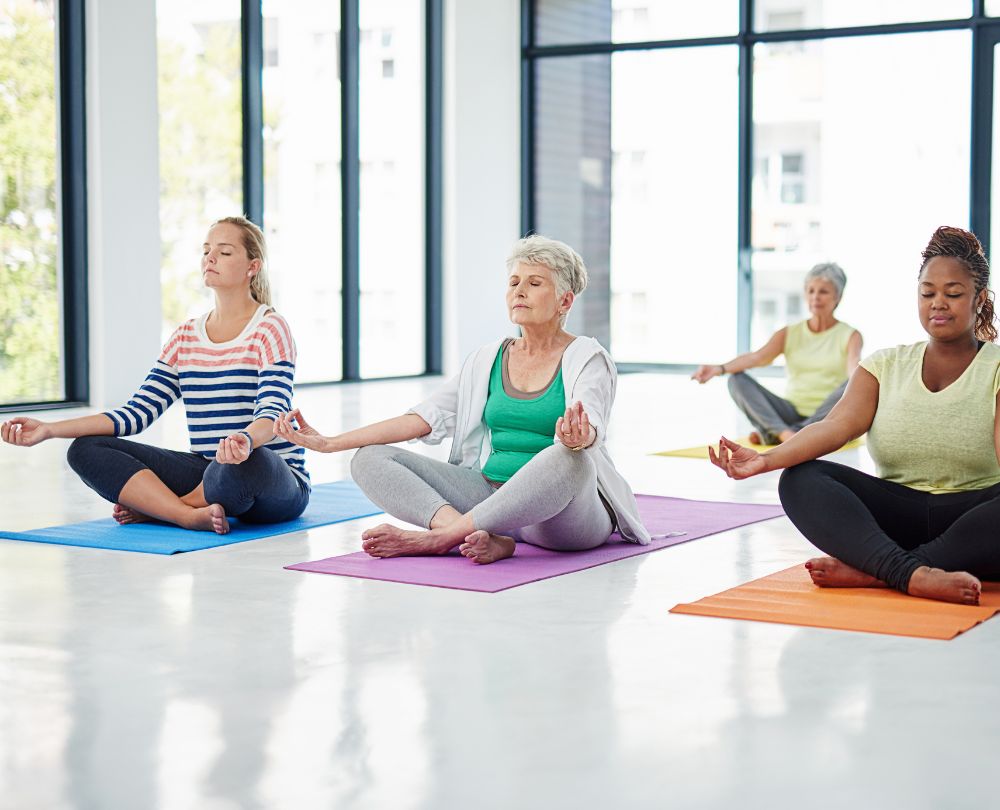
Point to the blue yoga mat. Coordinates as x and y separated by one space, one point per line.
329 503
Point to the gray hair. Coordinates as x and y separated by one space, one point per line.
829 271
564 262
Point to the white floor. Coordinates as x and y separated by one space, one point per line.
216 679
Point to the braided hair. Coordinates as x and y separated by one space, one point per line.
964 247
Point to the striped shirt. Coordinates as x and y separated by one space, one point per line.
225 386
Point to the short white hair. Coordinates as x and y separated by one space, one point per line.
830 271
564 262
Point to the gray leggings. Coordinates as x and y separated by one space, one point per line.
771 414
551 501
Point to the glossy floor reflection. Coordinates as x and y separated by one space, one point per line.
218 680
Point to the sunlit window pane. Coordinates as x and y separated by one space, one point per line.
849 166
30 319
302 218
782 15
201 132
673 209
392 209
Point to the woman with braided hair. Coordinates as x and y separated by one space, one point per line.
820 354
927 524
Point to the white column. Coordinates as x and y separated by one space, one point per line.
123 196
482 168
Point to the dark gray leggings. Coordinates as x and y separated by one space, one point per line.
771 414
262 489
551 501
888 530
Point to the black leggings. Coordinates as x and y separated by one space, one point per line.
263 489
889 530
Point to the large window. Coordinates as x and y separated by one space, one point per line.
308 116
849 167
391 188
201 156
703 157
31 333
302 211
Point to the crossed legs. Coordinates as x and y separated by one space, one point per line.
551 502
879 533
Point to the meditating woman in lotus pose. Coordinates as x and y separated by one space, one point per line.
540 402
927 524
820 352
234 369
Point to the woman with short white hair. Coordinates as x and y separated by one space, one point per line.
820 354
540 404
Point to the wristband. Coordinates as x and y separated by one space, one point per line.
249 438
723 367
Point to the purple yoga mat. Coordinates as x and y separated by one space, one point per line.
530 563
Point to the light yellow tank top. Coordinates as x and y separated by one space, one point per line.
816 363
934 441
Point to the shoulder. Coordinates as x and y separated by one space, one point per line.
901 356
273 324
991 351
588 353
185 334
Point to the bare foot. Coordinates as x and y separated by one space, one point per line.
829 572
386 540
756 437
484 548
785 435
211 518
947 586
123 515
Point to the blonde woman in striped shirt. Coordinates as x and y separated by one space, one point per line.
234 369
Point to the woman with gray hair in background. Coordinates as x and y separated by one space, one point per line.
539 403
820 354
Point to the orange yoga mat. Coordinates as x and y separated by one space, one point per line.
789 597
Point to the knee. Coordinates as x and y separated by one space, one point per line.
795 481
735 382
367 459
561 462
82 450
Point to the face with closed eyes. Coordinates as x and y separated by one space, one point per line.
532 296
821 296
225 264
948 300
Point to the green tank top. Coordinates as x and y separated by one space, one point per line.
521 424
816 363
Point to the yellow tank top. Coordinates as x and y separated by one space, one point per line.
816 363
934 441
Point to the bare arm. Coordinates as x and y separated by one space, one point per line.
996 429
398 429
26 431
854 352
764 356
850 418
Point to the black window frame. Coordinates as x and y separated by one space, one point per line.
253 173
72 149
985 35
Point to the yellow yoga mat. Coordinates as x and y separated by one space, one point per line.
789 597
702 450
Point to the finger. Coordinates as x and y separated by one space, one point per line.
303 424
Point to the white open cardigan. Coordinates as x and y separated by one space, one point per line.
589 376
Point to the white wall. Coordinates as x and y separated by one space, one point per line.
482 168
482 183
123 196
